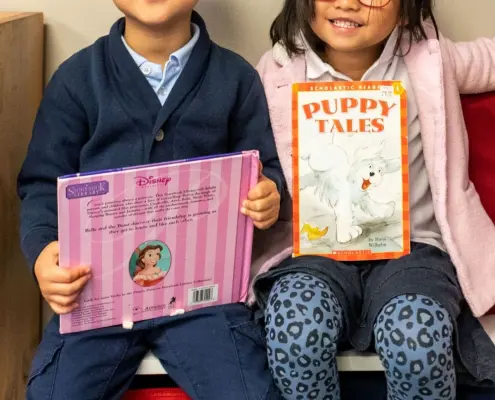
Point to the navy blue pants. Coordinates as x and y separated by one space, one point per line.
213 353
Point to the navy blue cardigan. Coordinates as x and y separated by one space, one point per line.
99 112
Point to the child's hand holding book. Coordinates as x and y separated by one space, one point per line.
263 203
59 286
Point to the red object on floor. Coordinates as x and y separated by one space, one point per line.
479 114
156 394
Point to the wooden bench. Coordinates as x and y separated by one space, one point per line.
350 361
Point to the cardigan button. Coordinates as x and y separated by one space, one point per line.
146 69
160 135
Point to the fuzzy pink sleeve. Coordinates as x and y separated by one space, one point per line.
473 63
263 65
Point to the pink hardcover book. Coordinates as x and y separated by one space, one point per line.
161 239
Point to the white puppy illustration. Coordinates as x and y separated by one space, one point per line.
341 184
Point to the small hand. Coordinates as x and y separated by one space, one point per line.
263 203
59 286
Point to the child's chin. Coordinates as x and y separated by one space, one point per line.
344 45
154 22
151 18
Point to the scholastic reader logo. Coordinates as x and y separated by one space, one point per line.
398 88
146 181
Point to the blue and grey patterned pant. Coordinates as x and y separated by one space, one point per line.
304 322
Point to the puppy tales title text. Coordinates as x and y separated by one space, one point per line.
350 125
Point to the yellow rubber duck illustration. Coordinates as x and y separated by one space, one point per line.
313 232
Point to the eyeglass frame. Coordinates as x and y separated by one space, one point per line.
386 3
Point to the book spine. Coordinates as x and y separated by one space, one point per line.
144 166
250 168
295 171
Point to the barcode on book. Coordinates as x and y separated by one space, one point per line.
203 295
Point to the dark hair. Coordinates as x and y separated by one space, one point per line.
142 253
296 15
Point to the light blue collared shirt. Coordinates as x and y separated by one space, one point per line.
163 78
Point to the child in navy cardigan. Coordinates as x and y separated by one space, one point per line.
155 89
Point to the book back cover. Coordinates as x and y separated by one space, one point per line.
160 239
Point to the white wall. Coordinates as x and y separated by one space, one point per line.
466 19
238 24
241 25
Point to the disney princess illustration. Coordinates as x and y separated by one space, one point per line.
147 271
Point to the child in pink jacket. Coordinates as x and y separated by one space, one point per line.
418 311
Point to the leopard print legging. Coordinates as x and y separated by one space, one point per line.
304 321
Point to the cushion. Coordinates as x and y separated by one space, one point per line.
479 114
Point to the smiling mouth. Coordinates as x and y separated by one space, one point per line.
345 23
366 184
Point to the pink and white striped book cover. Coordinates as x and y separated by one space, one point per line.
159 238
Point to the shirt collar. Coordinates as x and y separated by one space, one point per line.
180 56
316 67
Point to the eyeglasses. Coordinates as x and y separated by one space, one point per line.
370 3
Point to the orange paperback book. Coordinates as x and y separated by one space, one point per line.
350 170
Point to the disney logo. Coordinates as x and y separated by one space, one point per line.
151 180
